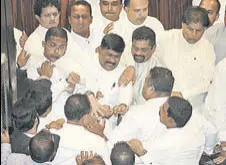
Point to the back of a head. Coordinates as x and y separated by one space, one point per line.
96 160
40 4
122 154
113 42
42 95
41 147
196 14
24 114
144 33
76 106
180 110
56 32
161 79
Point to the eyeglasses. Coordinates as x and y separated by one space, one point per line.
80 16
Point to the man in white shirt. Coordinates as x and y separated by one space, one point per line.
53 61
188 134
105 74
213 8
137 16
74 137
216 34
144 119
143 54
189 55
47 12
80 18
215 104
110 11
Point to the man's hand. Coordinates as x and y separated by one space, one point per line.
120 109
23 58
221 158
46 69
137 147
84 156
23 39
99 95
108 28
127 76
58 124
91 124
73 78
5 136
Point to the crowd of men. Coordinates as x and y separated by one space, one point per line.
119 89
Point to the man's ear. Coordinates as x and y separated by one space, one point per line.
126 9
150 91
43 44
172 122
217 17
153 48
38 18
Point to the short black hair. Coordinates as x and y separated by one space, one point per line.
40 4
144 33
113 42
24 114
56 32
122 154
196 14
42 96
76 106
126 3
161 79
218 5
180 110
77 3
41 147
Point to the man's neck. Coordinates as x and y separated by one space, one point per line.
83 34
74 122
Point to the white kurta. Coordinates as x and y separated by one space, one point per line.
216 100
87 45
76 138
216 34
17 35
185 145
192 64
141 122
142 69
33 44
127 29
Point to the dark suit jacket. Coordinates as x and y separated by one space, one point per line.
19 142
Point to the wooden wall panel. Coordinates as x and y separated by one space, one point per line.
169 12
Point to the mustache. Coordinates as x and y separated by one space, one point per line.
109 13
139 56
112 63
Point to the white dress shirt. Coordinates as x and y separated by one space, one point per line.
33 44
185 145
141 122
87 45
9 158
142 69
192 64
216 100
74 138
17 35
216 34
126 27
